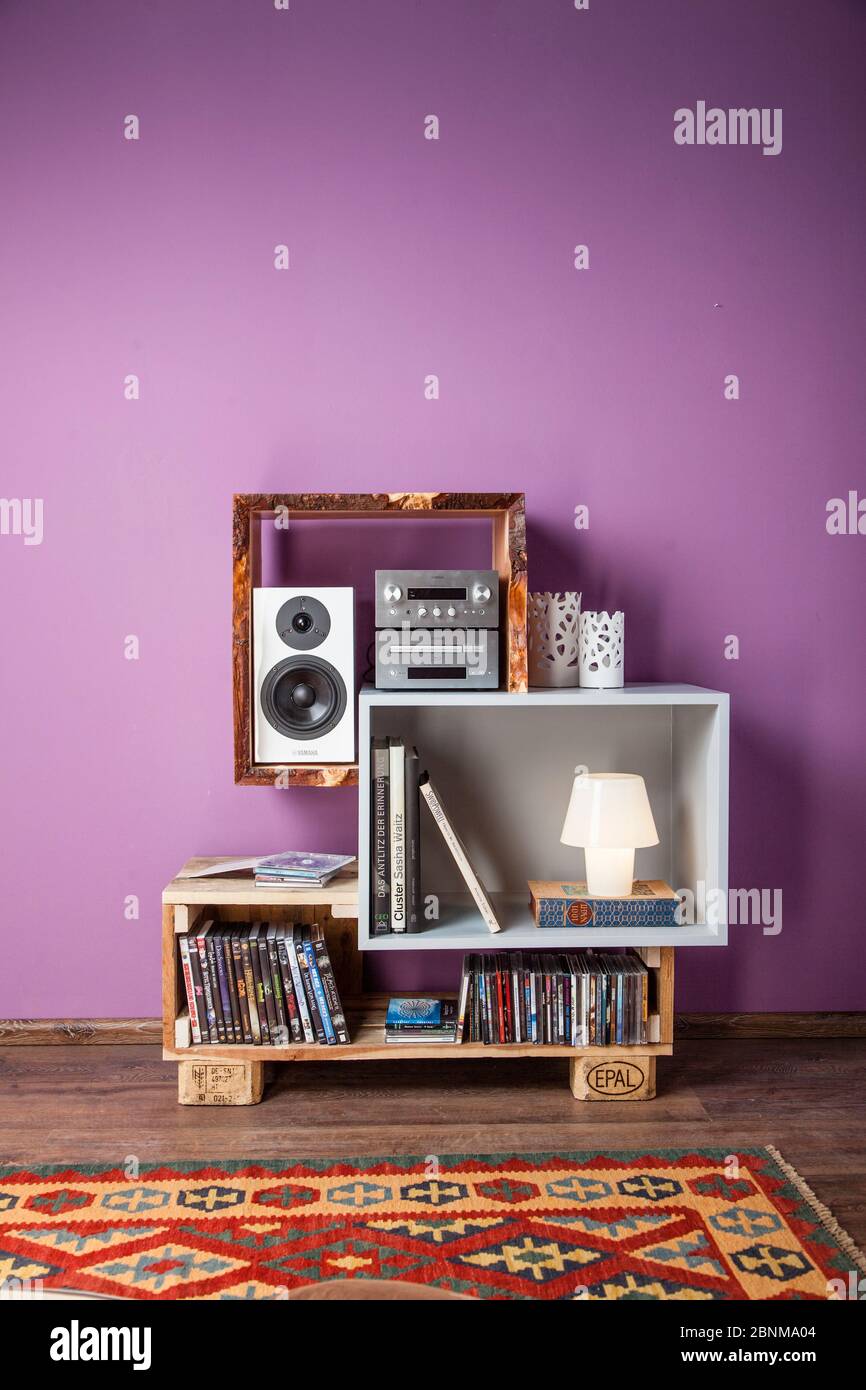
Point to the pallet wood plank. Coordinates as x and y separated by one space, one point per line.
614 1077
220 1083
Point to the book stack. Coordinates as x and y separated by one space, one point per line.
396 838
266 983
299 870
399 787
421 1021
576 999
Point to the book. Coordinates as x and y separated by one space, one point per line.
281 1026
427 1020
267 981
223 982
307 985
380 842
198 986
463 999
258 984
192 1004
291 1002
651 903
303 865
329 982
300 993
250 985
458 851
425 1012
216 993
412 773
397 820
231 982
318 987
292 882
209 1011
241 983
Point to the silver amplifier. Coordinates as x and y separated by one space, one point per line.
437 598
437 659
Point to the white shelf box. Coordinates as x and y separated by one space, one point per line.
504 765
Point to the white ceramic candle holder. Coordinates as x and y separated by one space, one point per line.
602 642
553 622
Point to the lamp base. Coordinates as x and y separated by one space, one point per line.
609 872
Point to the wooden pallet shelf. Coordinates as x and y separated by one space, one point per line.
233 1074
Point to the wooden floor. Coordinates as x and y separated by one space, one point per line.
97 1103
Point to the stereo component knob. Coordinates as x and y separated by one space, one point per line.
481 593
393 593
452 612
437 612
422 612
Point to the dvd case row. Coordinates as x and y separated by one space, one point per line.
264 983
576 999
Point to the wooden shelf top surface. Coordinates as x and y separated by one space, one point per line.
239 889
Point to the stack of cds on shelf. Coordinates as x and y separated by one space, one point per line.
299 870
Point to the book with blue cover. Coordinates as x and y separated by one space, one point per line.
421 1020
651 903
415 1012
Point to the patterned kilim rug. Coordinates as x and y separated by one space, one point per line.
700 1225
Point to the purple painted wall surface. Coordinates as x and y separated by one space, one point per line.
409 257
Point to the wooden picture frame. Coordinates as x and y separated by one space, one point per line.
507 514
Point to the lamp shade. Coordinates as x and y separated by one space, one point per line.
609 810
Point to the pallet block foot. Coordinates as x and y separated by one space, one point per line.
220 1083
630 1079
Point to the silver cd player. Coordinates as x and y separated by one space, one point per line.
437 598
437 659
437 629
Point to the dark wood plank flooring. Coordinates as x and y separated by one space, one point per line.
68 1104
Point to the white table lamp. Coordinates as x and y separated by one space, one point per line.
609 816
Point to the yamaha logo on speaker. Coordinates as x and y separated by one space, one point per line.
304 669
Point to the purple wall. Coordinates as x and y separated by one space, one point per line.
409 257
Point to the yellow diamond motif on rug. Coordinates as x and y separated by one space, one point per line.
536 1259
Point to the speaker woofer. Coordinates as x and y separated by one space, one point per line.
303 697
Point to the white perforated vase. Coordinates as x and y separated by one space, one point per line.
553 623
602 641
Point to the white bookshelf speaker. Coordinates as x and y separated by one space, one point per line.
304 675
